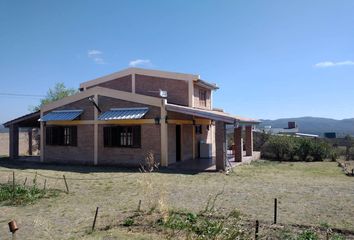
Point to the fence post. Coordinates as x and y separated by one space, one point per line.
257 229
275 210
139 205
66 185
94 220
13 184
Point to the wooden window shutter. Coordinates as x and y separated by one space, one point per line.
48 135
107 136
137 136
73 135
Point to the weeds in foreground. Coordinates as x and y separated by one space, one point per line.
22 195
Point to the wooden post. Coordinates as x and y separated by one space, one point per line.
45 184
66 185
94 220
139 205
13 184
24 183
257 229
275 210
30 144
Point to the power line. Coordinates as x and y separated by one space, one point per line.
21 95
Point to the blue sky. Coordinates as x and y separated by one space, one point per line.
271 58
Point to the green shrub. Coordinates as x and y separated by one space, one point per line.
277 147
128 222
308 235
320 150
337 236
23 194
305 148
294 148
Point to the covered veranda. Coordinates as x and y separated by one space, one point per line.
29 121
243 139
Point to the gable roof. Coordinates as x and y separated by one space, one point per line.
146 72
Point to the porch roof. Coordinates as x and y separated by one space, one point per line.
28 120
211 114
124 113
61 115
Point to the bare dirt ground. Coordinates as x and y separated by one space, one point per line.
308 193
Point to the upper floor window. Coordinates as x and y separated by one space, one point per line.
122 136
202 98
61 135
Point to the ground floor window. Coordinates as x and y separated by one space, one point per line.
122 136
61 135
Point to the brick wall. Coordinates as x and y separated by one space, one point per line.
106 103
81 154
83 104
177 90
122 84
150 141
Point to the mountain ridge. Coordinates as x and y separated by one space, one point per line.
314 125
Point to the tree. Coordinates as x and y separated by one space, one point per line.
58 92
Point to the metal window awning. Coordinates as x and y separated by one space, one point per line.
123 114
61 115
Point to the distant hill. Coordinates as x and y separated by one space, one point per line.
315 125
3 129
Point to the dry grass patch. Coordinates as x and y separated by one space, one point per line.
308 193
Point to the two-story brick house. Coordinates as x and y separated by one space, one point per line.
119 118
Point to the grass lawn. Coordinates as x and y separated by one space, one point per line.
308 193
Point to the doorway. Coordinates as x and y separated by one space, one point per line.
178 143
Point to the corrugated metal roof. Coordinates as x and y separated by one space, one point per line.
61 115
123 113
210 114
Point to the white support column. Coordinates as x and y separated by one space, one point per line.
190 93
133 83
95 133
164 135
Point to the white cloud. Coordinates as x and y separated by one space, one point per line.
96 56
327 64
140 62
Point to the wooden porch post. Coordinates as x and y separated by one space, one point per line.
220 145
238 144
249 141
13 141
30 141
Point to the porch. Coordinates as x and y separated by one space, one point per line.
30 122
209 164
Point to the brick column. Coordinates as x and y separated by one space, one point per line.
220 145
238 144
249 141
164 134
13 146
